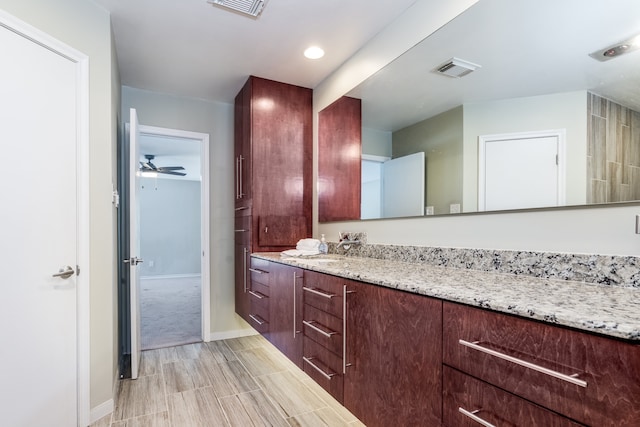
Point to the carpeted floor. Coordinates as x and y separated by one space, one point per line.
170 311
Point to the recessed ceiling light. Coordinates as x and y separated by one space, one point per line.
620 48
314 52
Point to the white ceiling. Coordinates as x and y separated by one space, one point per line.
525 48
192 48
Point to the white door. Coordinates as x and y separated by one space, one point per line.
403 186
39 229
523 170
134 240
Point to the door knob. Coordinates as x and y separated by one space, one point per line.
65 272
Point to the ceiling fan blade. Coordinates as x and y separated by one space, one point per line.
171 168
145 167
171 173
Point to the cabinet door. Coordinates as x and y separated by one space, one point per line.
242 231
281 230
393 356
339 160
242 147
242 280
286 311
281 144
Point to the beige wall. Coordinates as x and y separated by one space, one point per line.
607 230
376 142
440 139
86 27
215 119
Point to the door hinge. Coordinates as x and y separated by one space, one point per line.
77 270
557 160
115 198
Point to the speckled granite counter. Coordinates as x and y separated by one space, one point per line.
606 310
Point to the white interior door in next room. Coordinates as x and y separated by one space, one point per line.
524 170
39 106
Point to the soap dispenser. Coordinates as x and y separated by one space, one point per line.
323 248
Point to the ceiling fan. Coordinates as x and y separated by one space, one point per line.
148 166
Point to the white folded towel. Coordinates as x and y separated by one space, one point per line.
305 247
308 245
299 253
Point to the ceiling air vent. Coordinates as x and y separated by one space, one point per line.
247 7
456 67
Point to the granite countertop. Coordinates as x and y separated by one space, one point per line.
605 310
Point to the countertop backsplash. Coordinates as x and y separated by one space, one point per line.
623 271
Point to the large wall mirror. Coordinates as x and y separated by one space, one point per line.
542 110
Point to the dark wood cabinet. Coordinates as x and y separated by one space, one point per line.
242 264
393 357
339 160
286 311
259 293
273 160
323 320
591 379
273 167
397 358
468 402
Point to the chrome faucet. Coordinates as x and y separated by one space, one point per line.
346 242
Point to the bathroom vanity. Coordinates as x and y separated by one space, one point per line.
403 343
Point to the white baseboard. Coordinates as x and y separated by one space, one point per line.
107 407
217 336
171 276
102 410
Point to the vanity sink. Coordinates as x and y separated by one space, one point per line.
311 261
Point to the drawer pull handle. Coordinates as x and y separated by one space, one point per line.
314 366
475 418
568 378
320 331
255 270
241 230
319 293
241 208
257 320
257 294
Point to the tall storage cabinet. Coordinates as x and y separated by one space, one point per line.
273 161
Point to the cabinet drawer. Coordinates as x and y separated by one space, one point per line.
259 271
592 379
242 209
259 317
242 230
466 397
324 367
323 328
257 298
260 288
324 292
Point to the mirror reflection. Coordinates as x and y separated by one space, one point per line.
529 118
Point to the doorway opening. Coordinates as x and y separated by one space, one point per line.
170 203
166 213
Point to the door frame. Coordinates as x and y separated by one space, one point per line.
205 289
83 310
559 134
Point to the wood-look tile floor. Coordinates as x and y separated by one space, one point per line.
239 382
